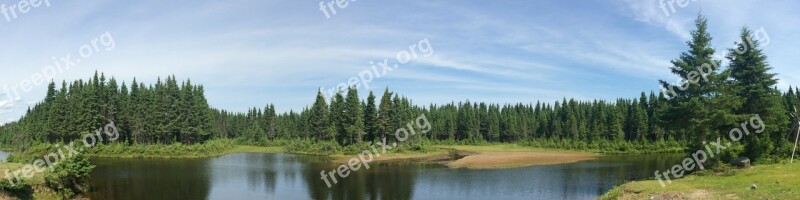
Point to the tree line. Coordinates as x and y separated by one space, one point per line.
172 112
163 113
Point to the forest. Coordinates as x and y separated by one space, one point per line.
170 112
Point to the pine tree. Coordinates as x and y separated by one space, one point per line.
641 118
336 117
493 123
790 100
125 114
268 122
691 104
354 117
385 115
599 123
754 85
319 119
203 112
58 113
370 118
614 125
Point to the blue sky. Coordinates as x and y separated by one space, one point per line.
251 53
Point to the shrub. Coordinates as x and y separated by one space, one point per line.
19 187
70 176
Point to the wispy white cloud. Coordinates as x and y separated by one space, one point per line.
7 104
282 51
725 20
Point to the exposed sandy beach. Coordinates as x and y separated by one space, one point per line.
485 159
507 159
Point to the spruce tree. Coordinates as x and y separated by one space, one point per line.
754 85
692 105
319 119
337 118
354 117
493 123
385 115
370 118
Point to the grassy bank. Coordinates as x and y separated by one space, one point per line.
608 147
508 147
395 156
220 147
30 188
774 181
208 149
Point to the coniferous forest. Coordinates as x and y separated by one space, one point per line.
172 111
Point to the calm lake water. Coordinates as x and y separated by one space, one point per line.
3 156
288 177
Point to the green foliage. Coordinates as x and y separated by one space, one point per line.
319 120
754 86
307 146
353 119
370 118
70 176
607 146
162 113
701 104
175 150
19 187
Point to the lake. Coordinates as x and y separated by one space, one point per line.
287 177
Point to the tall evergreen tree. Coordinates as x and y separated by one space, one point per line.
319 119
354 117
385 115
336 117
754 85
370 118
692 104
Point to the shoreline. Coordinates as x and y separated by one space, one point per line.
194 155
33 187
774 181
484 157
496 156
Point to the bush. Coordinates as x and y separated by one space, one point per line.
211 147
70 176
19 187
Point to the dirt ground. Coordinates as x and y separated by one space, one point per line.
507 159
487 159
696 195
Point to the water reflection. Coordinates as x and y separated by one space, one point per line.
286 176
3 156
150 179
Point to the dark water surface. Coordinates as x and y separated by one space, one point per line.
289 177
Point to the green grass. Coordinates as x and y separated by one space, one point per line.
208 149
390 154
177 151
774 181
36 183
38 178
255 149
607 147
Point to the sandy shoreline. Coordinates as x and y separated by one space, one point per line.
486 159
510 159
